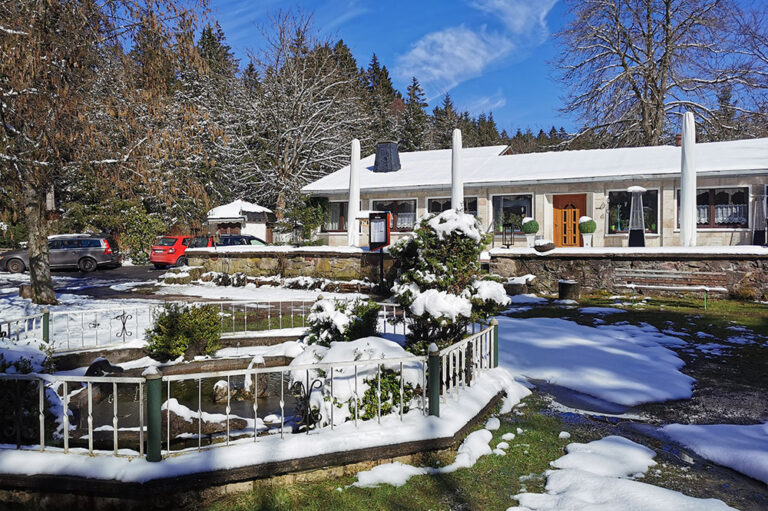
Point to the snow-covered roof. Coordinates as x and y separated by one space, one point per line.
236 209
487 165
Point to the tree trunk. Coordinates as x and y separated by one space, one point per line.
280 205
39 263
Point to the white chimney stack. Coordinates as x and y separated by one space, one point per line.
688 183
353 207
457 183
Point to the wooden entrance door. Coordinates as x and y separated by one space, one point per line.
568 209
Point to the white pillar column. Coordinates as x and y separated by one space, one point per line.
457 182
688 183
353 207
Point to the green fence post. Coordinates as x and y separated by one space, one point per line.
495 325
46 325
154 417
434 380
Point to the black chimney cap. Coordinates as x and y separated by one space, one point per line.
387 157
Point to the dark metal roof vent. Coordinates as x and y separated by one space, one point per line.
387 157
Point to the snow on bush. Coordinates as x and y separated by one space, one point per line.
587 225
440 282
529 225
343 400
341 321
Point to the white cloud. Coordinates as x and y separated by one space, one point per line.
448 57
445 58
519 16
486 104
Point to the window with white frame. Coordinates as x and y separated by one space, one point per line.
510 210
337 217
720 208
443 204
619 203
403 212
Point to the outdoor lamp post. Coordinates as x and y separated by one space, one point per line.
636 217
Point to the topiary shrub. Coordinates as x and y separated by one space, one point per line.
342 321
530 226
587 225
184 330
440 281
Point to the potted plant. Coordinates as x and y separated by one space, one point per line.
530 227
587 227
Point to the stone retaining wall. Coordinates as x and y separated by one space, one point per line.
324 263
747 275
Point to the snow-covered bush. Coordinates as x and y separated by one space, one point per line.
341 321
343 400
587 225
181 330
440 281
530 226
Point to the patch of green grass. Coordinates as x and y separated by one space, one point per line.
489 484
254 323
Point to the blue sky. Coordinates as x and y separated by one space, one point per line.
490 55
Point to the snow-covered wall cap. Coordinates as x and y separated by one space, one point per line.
433 348
236 208
526 220
585 218
636 189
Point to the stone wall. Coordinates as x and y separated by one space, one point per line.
747 274
323 263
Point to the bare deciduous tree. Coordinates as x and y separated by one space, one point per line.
631 66
306 110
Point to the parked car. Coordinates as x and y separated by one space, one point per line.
85 252
169 251
239 239
201 242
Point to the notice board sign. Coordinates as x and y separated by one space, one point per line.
378 230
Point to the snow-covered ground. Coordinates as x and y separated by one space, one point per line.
601 475
623 364
742 448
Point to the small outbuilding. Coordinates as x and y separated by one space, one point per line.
242 217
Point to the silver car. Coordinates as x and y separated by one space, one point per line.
84 252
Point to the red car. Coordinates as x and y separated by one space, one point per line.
170 250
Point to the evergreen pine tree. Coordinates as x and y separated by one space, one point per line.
415 121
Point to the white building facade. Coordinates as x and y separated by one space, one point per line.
557 188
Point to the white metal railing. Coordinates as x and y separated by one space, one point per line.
460 365
24 328
92 328
461 362
58 387
313 372
257 315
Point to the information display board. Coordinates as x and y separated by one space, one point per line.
378 230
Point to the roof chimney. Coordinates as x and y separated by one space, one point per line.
387 157
679 140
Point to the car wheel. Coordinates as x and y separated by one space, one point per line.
15 266
87 264
181 261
